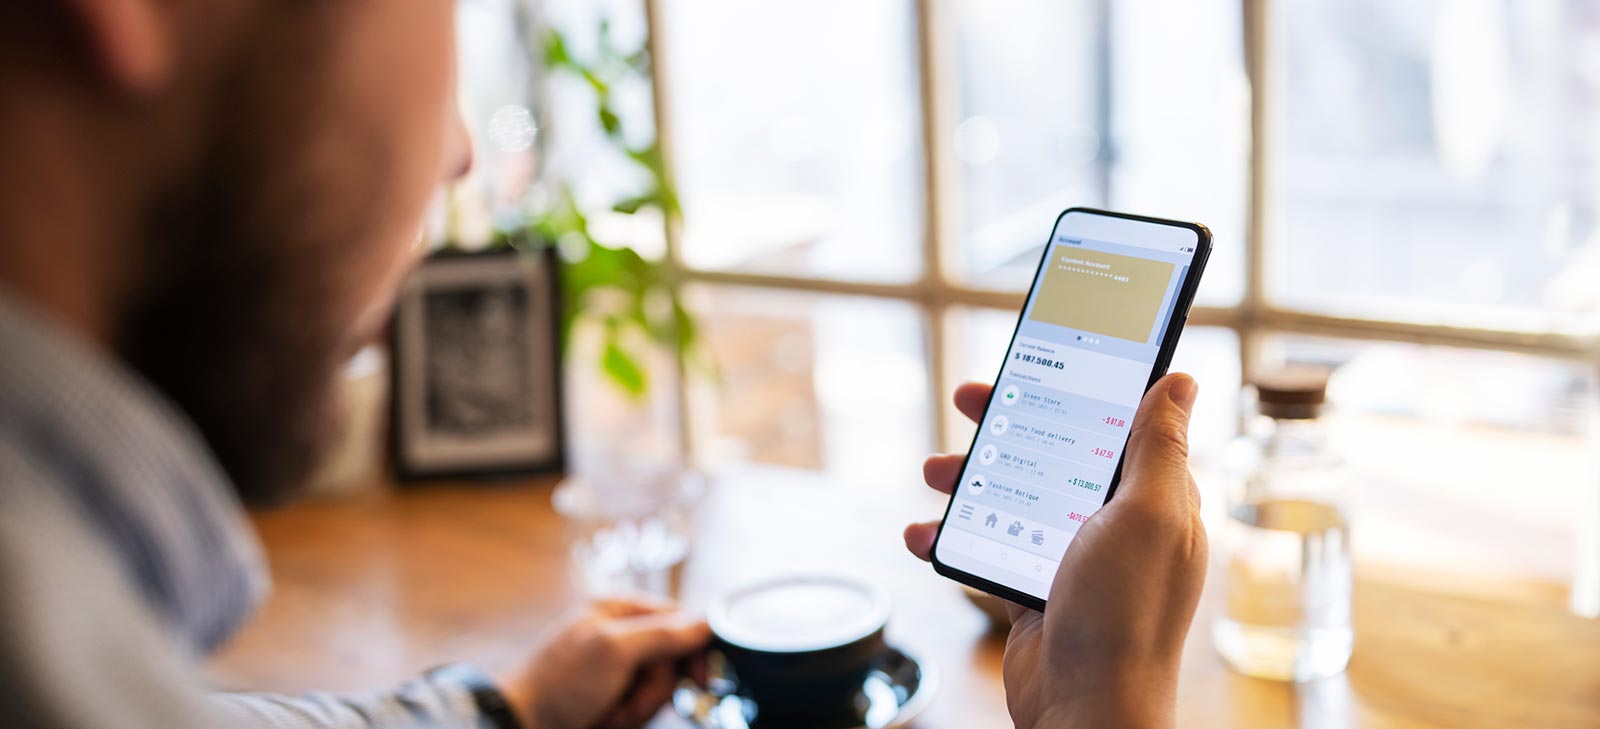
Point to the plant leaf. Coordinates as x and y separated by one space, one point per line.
622 367
589 266
639 61
609 120
555 50
632 205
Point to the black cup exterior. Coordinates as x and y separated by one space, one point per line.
796 688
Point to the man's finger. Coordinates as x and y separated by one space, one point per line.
941 471
919 538
971 398
1158 442
659 637
632 605
699 670
651 690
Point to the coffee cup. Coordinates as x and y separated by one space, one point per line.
800 648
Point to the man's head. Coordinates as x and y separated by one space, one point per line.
225 195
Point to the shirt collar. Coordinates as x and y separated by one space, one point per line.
139 473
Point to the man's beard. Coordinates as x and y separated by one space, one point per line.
234 330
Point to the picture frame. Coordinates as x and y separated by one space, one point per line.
475 367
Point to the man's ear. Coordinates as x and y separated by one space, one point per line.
132 43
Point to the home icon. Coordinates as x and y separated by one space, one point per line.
991 521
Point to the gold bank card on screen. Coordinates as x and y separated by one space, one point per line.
1103 293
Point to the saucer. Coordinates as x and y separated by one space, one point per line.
893 694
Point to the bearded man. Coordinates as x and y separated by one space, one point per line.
206 207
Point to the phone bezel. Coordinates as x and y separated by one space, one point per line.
1169 343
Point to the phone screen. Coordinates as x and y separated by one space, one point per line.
1091 334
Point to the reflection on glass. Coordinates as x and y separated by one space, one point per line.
819 382
1470 464
1440 160
1137 105
796 136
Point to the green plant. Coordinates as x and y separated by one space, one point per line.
613 287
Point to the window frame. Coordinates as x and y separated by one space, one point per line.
938 292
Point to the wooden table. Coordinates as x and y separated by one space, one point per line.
372 589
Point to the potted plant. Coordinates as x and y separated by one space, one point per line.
626 330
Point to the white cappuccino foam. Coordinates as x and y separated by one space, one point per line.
800 614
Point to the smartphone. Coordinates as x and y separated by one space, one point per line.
1099 326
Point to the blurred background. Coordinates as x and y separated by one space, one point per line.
847 200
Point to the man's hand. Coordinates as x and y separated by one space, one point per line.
1105 652
614 665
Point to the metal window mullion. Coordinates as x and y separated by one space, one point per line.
1257 18
940 211
661 109
1556 345
1265 321
660 99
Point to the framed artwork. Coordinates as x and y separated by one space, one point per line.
475 363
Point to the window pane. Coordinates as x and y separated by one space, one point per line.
979 337
1473 466
796 136
575 151
1440 160
1140 105
812 381
495 85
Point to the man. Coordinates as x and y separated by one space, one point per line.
206 207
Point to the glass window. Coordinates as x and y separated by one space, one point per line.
1433 162
1136 105
834 383
1439 160
576 152
1025 150
495 87
796 131
1180 121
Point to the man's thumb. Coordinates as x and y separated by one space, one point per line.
1158 444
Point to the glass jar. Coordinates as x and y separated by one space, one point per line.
1286 545
630 536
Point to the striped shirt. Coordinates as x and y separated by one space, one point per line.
125 559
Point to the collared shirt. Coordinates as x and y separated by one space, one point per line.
125 559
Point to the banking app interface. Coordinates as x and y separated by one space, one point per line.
1053 435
